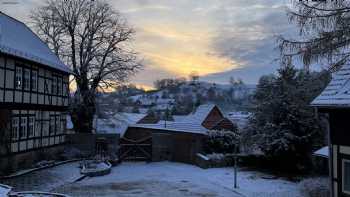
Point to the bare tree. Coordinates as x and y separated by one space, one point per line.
324 32
94 39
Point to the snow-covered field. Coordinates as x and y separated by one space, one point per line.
176 179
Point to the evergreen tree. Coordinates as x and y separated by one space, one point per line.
284 126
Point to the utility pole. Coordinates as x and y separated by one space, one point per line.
235 169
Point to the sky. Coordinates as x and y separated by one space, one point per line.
217 39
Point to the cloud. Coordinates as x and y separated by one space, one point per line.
251 39
176 37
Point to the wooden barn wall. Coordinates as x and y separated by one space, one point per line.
170 145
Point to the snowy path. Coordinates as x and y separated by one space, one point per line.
47 179
176 179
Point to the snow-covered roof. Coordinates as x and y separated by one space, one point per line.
191 123
116 124
18 40
337 93
200 114
186 127
119 123
323 152
130 118
178 118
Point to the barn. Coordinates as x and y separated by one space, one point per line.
335 101
178 140
33 95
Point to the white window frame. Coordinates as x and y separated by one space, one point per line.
23 128
34 80
15 128
18 78
343 177
31 126
26 78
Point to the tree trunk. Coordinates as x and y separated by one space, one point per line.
83 112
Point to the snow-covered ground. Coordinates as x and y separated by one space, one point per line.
177 179
156 179
46 179
4 190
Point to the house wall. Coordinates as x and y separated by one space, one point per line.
339 149
35 99
170 145
25 160
50 88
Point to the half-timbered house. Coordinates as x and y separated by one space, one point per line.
335 100
33 94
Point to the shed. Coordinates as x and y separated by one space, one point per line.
180 140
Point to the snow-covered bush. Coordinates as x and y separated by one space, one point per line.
216 156
315 187
221 142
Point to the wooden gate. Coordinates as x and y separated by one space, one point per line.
135 150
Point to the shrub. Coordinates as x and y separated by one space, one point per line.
315 187
221 142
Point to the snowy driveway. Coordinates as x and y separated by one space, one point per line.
167 179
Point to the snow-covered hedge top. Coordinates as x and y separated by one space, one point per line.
18 40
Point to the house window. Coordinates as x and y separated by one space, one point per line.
18 79
34 80
26 79
63 123
54 85
59 86
31 127
15 128
52 125
23 129
46 128
346 176
58 125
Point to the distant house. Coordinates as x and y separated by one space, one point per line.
182 139
117 123
33 95
121 121
335 100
